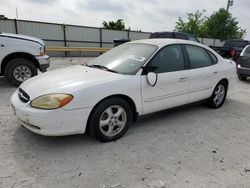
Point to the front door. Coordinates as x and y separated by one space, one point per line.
172 83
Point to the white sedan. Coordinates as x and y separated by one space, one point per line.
134 79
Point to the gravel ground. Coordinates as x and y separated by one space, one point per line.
188 147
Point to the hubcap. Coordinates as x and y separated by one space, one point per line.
219 94
22 73
113 120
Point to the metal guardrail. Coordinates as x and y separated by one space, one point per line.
75 49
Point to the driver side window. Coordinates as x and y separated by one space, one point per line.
168 59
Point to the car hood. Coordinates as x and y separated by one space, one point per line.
67 80
22 37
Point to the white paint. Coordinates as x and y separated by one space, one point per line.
89 86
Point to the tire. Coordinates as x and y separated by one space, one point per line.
104 123
219 95
242 77
18 70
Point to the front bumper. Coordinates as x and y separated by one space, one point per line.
243 71
57 122
44 62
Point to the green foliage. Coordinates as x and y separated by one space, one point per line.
195 24
115 25
222 25
219 25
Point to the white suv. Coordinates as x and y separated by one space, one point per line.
21 57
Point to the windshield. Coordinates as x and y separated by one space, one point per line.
125 59
240 44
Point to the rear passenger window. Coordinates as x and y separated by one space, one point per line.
213 57
198 57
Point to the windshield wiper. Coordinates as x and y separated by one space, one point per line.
101 67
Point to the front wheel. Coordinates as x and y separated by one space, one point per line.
219 95
109 120
18 70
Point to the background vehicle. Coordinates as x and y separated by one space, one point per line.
165 34
21 56
243 64
118 42
174 35
231 48
131 80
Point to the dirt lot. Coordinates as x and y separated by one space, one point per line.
188 147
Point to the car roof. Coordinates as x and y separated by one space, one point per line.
160 42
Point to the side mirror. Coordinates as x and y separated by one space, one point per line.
152 78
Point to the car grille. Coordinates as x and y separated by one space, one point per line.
23 96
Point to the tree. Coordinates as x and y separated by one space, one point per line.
194 25
223 25
220 25
115 25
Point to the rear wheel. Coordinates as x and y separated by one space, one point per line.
241 77
109 120
219 95
18 70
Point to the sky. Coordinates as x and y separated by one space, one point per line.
145 15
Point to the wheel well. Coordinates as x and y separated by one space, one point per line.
225 81
12 56
123 97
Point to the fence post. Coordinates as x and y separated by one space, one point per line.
100 32
64 38
16 26
128 34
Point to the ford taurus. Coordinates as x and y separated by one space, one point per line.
134 79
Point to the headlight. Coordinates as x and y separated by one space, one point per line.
238 66
51 101
42 51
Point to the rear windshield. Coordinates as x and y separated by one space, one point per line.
240 44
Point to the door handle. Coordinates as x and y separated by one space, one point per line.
215 73
183 79
1 45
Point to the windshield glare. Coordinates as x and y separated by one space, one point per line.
127 58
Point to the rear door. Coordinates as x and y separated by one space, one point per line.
203 72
